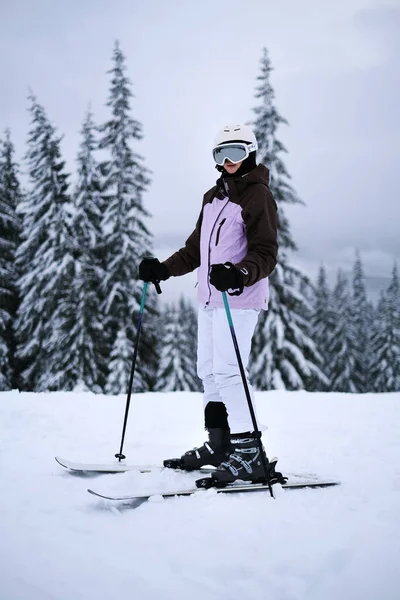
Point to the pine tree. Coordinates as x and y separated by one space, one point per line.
362 328
288 357
386 340
81 318
190 316
10 226
344 340
121 356
126 237
377 342
177 365
322 324
283 353
44 259
266 124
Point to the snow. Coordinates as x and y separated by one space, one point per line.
57 542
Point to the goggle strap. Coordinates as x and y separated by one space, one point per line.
250 146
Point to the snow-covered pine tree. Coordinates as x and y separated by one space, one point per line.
121 356
44 259
377 343
343 340
283 353
266 124
362 328
322 325
177 365
186 307
10 227
82 323
386 340
126 237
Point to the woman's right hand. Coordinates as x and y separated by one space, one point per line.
151 269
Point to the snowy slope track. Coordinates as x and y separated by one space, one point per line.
57 543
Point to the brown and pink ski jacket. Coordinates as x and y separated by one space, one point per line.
237 224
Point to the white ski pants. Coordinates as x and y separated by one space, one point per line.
217 365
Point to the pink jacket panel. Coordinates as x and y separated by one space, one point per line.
223 239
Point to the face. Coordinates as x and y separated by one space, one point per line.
231 168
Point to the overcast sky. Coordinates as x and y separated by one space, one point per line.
194 67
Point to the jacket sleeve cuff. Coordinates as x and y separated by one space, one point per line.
245 274
166 274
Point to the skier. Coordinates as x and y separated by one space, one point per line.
234 246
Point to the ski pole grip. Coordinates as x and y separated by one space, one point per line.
157 286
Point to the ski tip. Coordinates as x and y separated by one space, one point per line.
98 495
115 498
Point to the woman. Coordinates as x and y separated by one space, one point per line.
234 246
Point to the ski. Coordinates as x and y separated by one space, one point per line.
116 467
121 467
230 489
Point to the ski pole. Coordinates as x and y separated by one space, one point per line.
119 455
264 459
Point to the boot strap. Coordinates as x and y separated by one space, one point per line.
228 465
207 445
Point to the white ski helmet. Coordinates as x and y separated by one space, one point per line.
235 133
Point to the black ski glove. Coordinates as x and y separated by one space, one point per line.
226 277
151 269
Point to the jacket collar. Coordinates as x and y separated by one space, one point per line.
237 185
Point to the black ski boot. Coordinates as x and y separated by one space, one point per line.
213 452
245 464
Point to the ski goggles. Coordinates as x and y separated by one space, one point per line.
235 152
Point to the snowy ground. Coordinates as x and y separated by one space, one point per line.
59 543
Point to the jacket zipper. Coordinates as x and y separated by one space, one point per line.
219 231
209 252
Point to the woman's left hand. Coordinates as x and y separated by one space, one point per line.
226 277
